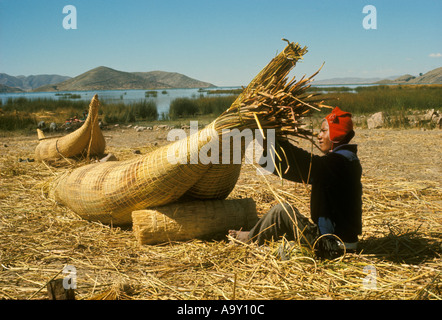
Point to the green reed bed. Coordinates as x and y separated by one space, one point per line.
43 105
190 107
124 113
12 121
24 114
395 100
391 99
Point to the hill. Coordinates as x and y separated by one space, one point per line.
104 78
173 79
30 82
7 89
349 80
431 77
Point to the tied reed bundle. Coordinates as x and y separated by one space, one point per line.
109 192
271 101
193 220
86 141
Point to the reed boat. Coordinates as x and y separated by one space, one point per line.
88 140
109 192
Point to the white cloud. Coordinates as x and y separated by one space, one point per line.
435 55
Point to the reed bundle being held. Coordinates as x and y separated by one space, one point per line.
272 101
86 141
110 191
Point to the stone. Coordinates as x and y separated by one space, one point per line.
109 157
53 127
429 115
376 120
41 125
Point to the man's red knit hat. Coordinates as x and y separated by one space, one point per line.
339 123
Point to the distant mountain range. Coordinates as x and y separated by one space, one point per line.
28 83
432 77
6 89
101 78
348 80
104 78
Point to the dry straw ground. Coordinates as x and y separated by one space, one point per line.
400 247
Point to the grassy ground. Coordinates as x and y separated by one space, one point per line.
399 256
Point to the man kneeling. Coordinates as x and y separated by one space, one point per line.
336 194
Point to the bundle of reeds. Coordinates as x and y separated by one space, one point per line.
194 219
271 101
109 192
86 141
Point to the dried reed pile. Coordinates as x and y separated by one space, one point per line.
84 142
402 237
109 192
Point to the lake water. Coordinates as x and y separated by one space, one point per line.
163 97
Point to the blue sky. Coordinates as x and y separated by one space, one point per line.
223 42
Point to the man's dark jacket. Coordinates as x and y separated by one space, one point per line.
336 184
